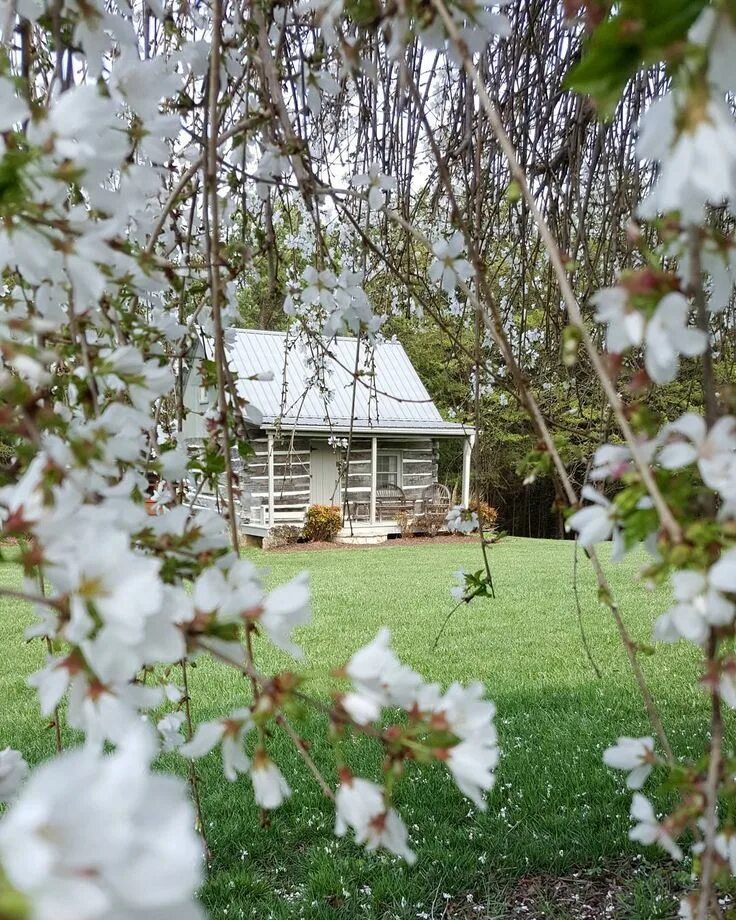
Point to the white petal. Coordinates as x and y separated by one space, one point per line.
207 736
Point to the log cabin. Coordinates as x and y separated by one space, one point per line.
340 422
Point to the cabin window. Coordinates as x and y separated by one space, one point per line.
388 469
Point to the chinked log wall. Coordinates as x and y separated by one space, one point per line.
292 470
418 464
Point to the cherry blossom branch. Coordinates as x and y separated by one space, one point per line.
244 126
192 768
579 614
712 785
695 243
31 598
494 324
213 260
669 522
49 650
301 747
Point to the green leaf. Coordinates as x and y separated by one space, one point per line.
245 448
639 33
12 188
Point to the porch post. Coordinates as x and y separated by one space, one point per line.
270 479
467 453
374 478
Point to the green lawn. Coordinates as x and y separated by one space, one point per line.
555 808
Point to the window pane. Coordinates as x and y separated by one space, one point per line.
383 479
387 470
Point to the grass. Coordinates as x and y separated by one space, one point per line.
556 810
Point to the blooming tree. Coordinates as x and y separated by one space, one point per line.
674 482
125 129
150 155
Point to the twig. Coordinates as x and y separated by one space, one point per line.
494 324
486 561
583 634
213 261
701 313
712 784
50 650
193 776
305 755
30 598
465 600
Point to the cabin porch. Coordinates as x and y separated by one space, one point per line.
380 483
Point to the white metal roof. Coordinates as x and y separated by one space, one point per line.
314 385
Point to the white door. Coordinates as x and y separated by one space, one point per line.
325 488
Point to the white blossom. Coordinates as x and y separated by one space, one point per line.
335 302
378 185
52 681
688 440
722 574
231 595
668 336
461 520
699 604
13 771
97 836
360 805
104 712
472 764
284 609
725 845
714 29
379 679
465 713
633 754
694 140
727 686
230 734
100 570
612 461
625 324
720 264
13 109
648 830
476 23
596 522
319 82
269 786
162 497
169 728
457 591
24 499
449 267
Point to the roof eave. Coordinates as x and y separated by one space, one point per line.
449 430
